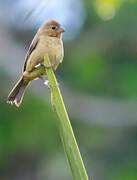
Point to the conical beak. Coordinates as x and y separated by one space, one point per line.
61 30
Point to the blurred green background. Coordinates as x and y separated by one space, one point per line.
98 80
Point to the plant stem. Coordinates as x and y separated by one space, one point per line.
67 136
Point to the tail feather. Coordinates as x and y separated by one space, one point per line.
17 93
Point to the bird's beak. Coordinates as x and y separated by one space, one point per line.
61 30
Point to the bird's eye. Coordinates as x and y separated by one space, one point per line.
53 27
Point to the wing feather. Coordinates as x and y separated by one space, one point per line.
31 49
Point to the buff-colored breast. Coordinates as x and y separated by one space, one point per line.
47 45
54 48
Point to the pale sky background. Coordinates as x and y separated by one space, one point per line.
70 13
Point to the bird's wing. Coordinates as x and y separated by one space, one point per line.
31 49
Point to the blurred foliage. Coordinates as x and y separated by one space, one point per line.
102 61
17 134
106 9
91 73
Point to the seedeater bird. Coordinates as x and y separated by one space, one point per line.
48 40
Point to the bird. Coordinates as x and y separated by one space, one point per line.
48 40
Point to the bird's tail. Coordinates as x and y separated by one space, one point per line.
17 93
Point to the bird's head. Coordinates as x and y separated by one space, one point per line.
51 28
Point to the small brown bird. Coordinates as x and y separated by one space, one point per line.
48 40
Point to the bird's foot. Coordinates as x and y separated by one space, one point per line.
46 66
47 84
45 81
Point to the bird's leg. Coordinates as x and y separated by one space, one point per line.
48 67
37 72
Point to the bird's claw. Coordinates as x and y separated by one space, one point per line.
46 66
47 83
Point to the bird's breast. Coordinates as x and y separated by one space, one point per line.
54 48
